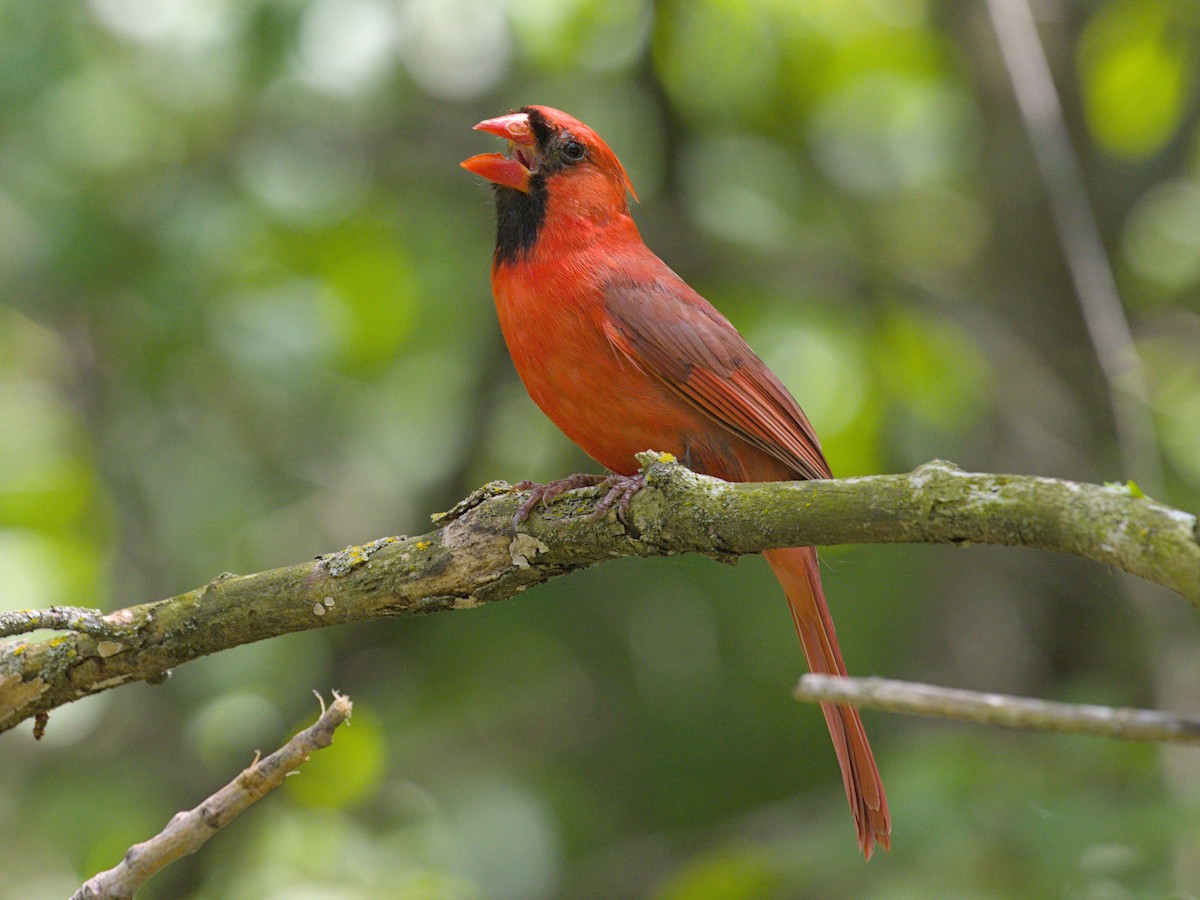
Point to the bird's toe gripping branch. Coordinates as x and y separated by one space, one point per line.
620 490
543 494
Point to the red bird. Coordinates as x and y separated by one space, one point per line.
623 356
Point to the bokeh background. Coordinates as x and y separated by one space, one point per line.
245 319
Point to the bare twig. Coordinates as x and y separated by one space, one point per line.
1086 258
58 618
475 558
1000 709
188 831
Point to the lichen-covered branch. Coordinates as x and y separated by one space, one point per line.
1004 710
474 557
60 618
188 831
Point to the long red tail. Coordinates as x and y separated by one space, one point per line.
796 568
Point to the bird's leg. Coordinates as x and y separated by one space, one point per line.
544 493
621 489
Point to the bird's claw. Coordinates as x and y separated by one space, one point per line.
544 493
621 489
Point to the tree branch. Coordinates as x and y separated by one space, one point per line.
475 557
188 831
1000 709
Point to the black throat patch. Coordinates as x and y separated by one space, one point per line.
519 219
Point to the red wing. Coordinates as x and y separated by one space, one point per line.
674 334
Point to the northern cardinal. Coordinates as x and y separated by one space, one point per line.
623 356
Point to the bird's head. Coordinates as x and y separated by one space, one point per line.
547 147
557 178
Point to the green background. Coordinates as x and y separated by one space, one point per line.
245 319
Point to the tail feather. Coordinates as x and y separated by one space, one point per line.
797 570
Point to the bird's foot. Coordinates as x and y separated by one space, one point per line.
621 489
544 493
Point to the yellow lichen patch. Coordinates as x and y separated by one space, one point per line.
337 564
423 545
665 457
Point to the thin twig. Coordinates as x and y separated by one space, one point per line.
1001 709
188 831
58 618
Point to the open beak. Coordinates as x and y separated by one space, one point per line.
511 169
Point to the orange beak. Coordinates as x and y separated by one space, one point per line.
510 170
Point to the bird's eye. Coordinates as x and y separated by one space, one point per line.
573 150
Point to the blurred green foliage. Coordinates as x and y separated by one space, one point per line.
246 320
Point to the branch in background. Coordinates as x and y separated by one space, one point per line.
188 831
475 558
1087 260
1000 709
